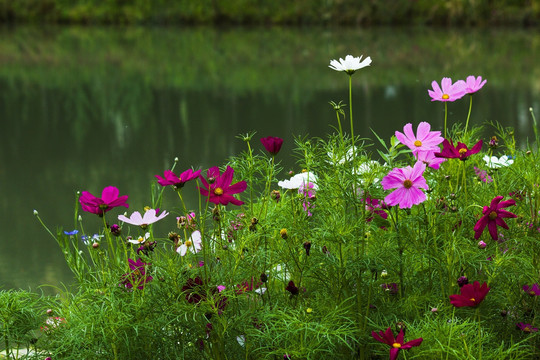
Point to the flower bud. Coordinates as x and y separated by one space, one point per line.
283 234
307 247
462 280
95 245
36 212
481 244
384 274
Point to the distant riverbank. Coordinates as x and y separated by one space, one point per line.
282 12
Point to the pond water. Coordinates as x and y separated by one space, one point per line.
86 107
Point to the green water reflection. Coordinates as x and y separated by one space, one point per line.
83 108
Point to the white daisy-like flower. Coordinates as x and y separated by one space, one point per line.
494 162
350 64
140 240
299 180
194 244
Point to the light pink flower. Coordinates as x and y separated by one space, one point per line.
425 140
449 91
143 221
429 158
407 182
473 84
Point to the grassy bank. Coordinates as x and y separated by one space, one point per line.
419 12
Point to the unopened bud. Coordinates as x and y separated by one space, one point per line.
95 245
481 244
36 212
176 159
283 233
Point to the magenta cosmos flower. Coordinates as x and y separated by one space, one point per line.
217 187
429 158
109 200
407 182
449 91
272 144
473 84
170 178
492 216
471 295
460 151
533 290
396 344
425 140
137 277
148 218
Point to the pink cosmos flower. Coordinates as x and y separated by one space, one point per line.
492 216
473 84
143 221
272 144
429 158
109 200
170 178
460 151
449 91
218 188
396 344
407 182
425 140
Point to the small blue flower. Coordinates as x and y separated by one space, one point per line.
88 240
71 233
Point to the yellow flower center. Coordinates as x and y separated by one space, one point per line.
140 239
492 215
396 345
218 191
417 143
407 184
527 329
146 208
473 299
446 96
188 243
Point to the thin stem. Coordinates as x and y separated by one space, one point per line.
350 109
445 117
468 115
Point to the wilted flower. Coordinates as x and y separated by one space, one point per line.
99 206
194 244
473 84
350 64
396 344
170 178
407 182
424 140
492 216
220 191
495 162
143 221
471 295
460 151
449 91
272 144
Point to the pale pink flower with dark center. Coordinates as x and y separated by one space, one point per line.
473 84
407 181
447 91
424 140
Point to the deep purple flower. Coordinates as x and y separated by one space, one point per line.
218 188
99 206
137 276
526 328
449 91
471 295
272 144
460 151
473 84
396 344
533 290
492 216
170 178
292 288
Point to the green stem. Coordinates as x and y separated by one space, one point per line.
468 116
350 109
450 335
445 117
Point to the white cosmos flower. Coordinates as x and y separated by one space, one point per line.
350 64
495 162
299 180
140 240
194 244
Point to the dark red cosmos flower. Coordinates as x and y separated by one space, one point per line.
99 206
170 178
293 289
272 144
137 276
493 216
471 295
396 344
218 188
196 291
460 151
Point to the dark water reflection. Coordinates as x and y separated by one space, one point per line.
83 108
